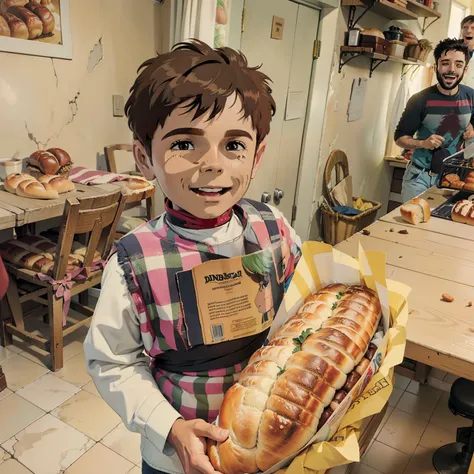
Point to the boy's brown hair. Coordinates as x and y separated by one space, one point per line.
203 78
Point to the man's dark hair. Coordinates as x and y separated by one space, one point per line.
203 78
468 19
451 44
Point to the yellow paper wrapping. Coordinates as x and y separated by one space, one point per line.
321 265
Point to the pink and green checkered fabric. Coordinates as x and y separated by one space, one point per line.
151 256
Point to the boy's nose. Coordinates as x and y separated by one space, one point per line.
212 162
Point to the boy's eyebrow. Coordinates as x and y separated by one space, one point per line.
238 133
184 131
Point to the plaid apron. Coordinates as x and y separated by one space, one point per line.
151 257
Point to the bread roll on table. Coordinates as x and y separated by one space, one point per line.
13 180
463 212
290 386
37 190
416 211
58 183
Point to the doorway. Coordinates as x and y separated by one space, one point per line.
288 62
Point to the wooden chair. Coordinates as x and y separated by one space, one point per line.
3 380
111 158
133 200
94 219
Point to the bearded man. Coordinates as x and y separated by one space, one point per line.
437 120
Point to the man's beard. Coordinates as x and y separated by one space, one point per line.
445 86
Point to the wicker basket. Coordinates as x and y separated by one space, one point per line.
338 227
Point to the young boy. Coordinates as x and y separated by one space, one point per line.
199 118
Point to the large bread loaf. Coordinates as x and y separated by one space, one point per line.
463 211
292 386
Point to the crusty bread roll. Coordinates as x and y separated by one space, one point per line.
37 190
416 211
290 386
135 185
6 4
13 180
457 184
17 27
33 23
451 178
44 14
463 212
58 183
373 32
469 186
35 253
52 161
44 162
62 156
4 28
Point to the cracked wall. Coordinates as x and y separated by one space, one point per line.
47 102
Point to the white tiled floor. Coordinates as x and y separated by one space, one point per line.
418 423
56 423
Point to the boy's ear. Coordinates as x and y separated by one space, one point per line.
142 160
258 158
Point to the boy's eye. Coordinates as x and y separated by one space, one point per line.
182 145
235 145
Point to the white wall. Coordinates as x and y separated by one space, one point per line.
68 104
327 129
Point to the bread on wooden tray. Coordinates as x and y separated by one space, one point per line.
416 211
463 212
47 187
291 386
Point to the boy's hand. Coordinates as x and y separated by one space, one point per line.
188 439
435 141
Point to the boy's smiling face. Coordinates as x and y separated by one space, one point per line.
204 167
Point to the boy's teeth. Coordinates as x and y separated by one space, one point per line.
210 190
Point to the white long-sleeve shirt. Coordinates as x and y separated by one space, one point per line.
119 367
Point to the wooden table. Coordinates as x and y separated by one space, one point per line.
433 258
16 211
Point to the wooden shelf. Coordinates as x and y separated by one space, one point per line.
363 52
370 54
384 8
375 58
422 10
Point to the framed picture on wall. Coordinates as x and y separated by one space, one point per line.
36 27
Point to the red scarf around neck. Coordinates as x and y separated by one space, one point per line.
182 218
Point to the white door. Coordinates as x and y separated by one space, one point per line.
288 62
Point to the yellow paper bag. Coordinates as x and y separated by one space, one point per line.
322 265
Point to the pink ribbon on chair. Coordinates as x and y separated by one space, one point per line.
64 287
